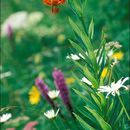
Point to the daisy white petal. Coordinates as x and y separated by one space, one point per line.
73 57
85 80
53 94
5 117
50 114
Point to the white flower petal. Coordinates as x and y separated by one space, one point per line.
5 117
53 94
114 87
50 114
73 57
85 80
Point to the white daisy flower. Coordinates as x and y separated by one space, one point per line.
114 87
85 80
5 117
51 114
53 94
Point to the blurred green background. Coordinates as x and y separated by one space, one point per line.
36 50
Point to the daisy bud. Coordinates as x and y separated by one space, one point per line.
61 86
43 88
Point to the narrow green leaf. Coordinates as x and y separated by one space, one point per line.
87 115
91 29
88 74
96 101
88 101
80 50
119 116
77 6
104 125
86 42
84 86
110 109
85 125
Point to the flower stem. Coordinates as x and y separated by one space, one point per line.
124 107
56 125
109 82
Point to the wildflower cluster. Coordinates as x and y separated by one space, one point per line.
50 95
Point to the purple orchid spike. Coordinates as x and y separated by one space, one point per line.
43 88
62 87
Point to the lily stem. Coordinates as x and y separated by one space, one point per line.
124 107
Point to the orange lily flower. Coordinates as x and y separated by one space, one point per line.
54 4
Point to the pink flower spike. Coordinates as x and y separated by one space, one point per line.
30 125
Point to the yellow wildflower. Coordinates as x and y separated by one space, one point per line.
70 80
117 55
42 75
37 58
61 38
105 72
34 96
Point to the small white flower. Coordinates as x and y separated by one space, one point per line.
5 74
110 53
113 44
51 114
53 94
85 80
81 56
114 87
73 57
5 117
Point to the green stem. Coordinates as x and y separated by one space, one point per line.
62 123
124 107
56 125
109 82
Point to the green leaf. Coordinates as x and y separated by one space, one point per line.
84 86
85 125
77 6
80 50
119 116
96 101
91 29
110 109
88 74
104 125
88 101
86 42
87 115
